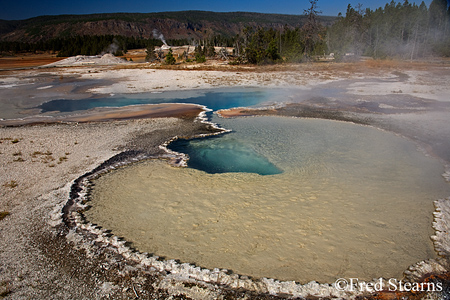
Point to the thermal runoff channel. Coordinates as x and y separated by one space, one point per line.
349 201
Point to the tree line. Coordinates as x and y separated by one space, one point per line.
82 45
399 30
97 44
402 30
263 46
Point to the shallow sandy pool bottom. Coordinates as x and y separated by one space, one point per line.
352 201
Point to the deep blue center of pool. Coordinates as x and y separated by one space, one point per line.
223 155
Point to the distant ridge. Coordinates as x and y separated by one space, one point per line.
173 25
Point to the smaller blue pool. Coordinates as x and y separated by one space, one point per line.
212 155
215 100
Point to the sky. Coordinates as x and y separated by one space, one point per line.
24 9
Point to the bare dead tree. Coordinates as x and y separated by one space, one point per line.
312 27
223 53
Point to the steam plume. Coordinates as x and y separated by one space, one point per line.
159 35
112 48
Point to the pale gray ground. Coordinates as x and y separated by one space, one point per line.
36 260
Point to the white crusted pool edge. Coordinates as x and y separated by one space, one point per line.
182 272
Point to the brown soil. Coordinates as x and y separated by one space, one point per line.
366 65
187 111
27 61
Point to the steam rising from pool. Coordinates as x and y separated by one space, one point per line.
352 201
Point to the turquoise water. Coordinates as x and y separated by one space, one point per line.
224 154
215 100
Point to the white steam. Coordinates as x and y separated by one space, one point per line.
112 48
158 35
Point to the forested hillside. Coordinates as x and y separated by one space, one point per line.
93 34
173 25
398 30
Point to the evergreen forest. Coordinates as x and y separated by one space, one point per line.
400 30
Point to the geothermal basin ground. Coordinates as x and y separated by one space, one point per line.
49 251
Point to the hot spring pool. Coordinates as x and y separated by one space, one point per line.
346 201
215 100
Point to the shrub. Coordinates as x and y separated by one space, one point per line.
170 59
12 184
3 214
200 58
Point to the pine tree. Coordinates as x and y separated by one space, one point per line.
439 18
210 51
200 54
170 59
